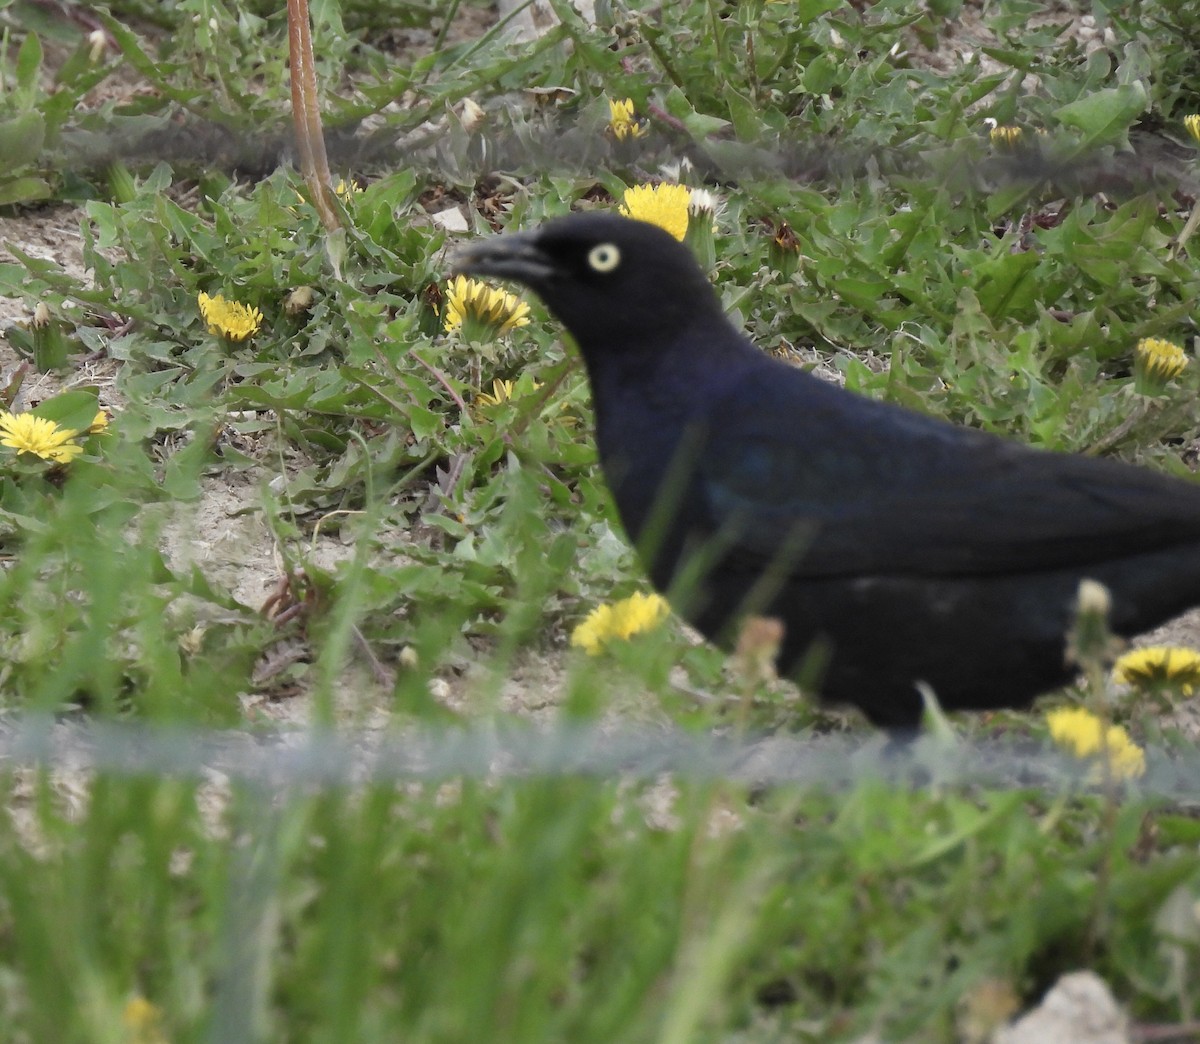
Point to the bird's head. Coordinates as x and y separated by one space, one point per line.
614 282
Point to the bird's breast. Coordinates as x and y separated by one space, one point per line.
651 473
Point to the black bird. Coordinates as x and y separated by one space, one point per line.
894 548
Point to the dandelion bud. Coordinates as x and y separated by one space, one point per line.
1155 363
299 300
757 647
702 220
1090 642
1006 136
50 346
1093 598
784 251
473 116
97 45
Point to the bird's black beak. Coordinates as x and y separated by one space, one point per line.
513 256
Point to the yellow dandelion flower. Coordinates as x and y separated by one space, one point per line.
619 620
1005 136
621 120
229 318
502 391
27 433
144 1021
482 310
99 423
1192 124
1155 362
346 190
663 205
1159 667
1083 734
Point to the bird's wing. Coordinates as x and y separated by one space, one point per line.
829 484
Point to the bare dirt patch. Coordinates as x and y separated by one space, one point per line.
48 234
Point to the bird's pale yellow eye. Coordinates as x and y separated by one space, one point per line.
604 258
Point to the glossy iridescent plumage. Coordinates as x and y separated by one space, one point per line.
895 548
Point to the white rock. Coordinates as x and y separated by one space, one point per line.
1079 1009
452 220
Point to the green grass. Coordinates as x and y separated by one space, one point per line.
471 540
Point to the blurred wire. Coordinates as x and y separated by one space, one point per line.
283 758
